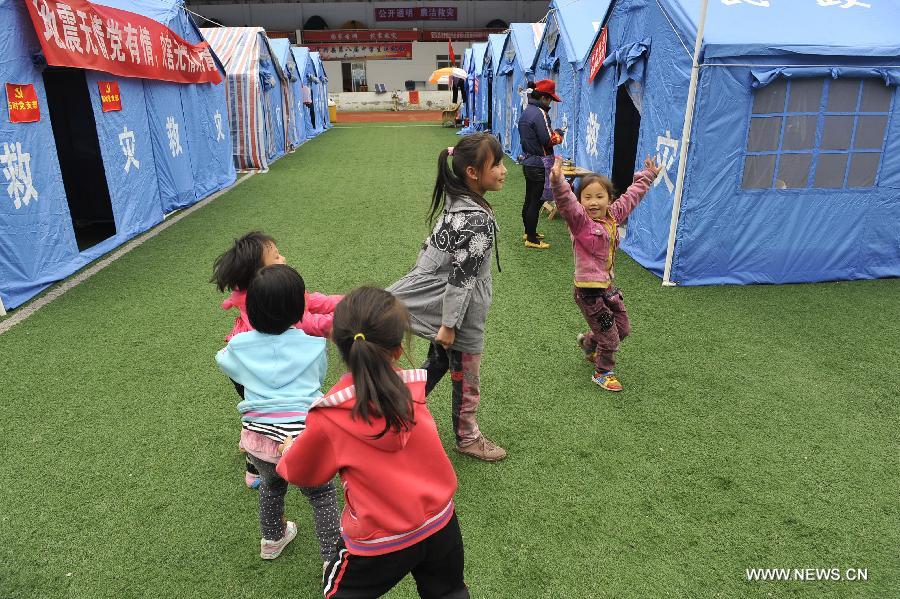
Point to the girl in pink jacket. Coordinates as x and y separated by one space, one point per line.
233 271
593 219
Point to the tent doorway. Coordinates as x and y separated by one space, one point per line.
80 160
312 113
625 140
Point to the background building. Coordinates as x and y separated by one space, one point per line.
394 43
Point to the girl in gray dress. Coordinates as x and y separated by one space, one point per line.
448 291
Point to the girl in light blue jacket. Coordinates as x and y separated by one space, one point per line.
282 370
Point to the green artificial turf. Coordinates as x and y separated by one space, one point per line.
758 428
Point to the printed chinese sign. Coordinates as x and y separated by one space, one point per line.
110 99
22 103
457 35
76 33
393 51
359 36
420 13
598 55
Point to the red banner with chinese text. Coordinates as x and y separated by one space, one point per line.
110 99
76 33
598 55
21 99
419 13
392 51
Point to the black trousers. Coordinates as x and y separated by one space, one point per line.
438 362
436 564
531 209
240 391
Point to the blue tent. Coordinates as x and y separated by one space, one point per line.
513 73
466 65
307 70
275 88
320 93
80 181
561 53
294 92
489 72
479 82
793 170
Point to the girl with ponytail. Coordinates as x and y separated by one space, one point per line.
374 429
448 291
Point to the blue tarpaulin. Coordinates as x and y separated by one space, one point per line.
307 70
281 47
320 93
513 72
165 149
564 46
793 169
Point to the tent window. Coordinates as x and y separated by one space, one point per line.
816 133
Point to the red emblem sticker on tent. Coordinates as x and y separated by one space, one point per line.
109 95
23 103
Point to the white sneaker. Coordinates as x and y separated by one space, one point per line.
272 549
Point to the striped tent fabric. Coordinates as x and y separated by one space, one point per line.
239 49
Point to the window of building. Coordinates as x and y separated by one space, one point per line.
817 133
443 61
354 76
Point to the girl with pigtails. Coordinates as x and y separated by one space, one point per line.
374 430
448 291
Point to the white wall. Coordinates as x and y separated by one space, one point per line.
370 101
394 73
291 16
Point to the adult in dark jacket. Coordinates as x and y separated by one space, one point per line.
538 138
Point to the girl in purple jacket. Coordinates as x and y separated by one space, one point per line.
593 219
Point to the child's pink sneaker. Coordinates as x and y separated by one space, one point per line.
252 480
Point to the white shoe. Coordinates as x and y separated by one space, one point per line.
272 549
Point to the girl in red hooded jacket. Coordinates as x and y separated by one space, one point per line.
373 428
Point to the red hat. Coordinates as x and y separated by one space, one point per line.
547 87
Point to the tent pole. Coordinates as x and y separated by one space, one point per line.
685 141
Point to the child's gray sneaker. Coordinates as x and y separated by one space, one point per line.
589 355
272 549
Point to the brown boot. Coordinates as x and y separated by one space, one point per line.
482 448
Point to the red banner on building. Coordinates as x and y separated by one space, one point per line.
392 51
458 35
22 102
76 33
358 36
598 55
110 99
419 13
